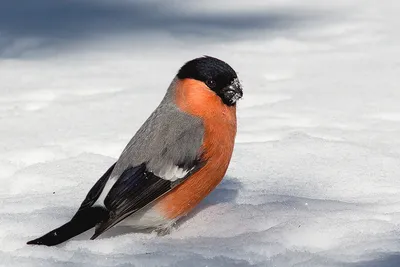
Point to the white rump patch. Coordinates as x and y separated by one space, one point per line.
172 173
110 183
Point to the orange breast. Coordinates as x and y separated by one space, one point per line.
195 98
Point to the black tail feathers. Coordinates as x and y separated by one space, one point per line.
82 221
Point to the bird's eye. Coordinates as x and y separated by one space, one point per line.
210 83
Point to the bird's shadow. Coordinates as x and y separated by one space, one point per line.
226 192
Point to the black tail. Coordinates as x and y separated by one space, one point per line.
82 221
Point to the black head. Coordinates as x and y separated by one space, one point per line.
217 75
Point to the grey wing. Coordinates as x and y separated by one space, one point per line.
169 136
169 155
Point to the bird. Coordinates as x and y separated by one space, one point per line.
175 159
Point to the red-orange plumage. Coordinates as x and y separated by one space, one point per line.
219 120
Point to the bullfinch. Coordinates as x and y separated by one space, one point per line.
176 158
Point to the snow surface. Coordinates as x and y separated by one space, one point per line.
315 176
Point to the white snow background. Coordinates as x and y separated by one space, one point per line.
315 176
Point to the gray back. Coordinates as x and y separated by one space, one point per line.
168 137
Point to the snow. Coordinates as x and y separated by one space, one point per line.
314 180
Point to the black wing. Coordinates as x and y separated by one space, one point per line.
136 188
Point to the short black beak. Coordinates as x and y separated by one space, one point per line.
232 93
